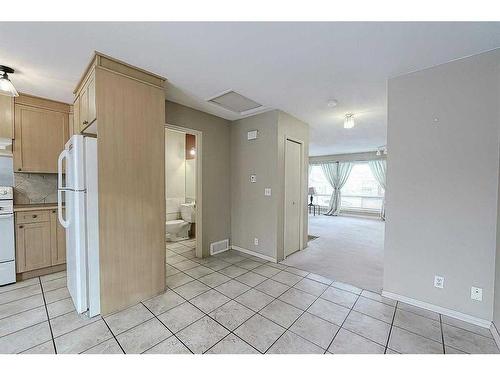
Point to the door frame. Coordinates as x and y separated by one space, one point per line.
199 186
301 198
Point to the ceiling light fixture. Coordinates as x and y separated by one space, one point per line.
332 103
349 121
6 86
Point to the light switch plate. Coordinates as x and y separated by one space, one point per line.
267 192
256 241
252 135
439 282
476 293
253 178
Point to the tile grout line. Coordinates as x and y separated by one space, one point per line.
48 318
173 334
303 312
112 333
340 327
442 334
390 329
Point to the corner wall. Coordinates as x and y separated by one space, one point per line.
215 169
254 215
443 183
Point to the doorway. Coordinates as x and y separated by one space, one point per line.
183 187
293 197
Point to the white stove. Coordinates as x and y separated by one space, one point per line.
7 247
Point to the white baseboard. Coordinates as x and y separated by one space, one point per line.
440 310
250 252
495 334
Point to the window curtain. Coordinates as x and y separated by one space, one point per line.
379 169
336 174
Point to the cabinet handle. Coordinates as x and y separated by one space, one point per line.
53 211
85 122
18 169
35 216
21 226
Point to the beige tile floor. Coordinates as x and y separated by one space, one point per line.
231 303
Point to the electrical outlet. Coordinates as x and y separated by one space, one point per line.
476 293
253 178
267 192
256 241
439 282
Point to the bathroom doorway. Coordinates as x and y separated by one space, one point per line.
183 198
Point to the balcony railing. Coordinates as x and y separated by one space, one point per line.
363 203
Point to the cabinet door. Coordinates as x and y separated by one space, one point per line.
6 117
84 107
91 112
40 135
58 240
76 116
33 246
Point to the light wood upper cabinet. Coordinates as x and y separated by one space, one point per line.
87 107
33 246
6 117
40 133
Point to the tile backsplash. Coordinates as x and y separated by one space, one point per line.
32 188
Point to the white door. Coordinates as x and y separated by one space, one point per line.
293 209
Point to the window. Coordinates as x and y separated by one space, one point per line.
360 193
323 189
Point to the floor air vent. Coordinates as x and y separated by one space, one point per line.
219 247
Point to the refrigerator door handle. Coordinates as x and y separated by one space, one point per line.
63 222
62 156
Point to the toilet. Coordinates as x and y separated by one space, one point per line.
177 230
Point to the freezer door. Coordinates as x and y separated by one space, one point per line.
71 172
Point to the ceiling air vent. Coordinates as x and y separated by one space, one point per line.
235 102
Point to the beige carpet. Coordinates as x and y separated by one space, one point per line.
349 249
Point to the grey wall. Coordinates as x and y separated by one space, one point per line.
443 183
216 193
290 127
496 304
252 213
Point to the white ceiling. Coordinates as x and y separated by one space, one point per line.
295 67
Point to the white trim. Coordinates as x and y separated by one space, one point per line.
199 184
495 334
440 310
303 187
250 252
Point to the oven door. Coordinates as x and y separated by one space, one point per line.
7 248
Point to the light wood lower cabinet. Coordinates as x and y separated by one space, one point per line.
40 240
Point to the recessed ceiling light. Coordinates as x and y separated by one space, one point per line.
332 103
349 121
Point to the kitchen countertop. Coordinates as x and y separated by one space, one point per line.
33 207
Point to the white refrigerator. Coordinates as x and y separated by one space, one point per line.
77 200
